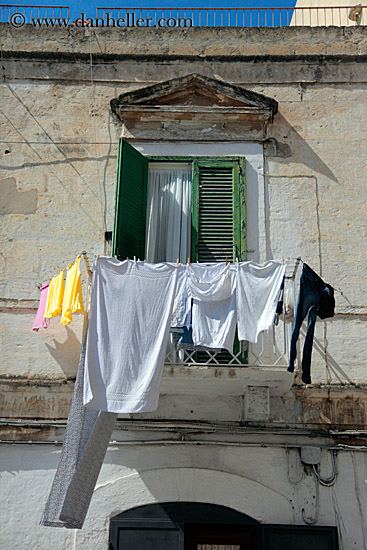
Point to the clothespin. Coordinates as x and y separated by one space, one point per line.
226 261
134 260
188 261
84 254
283 260
177 262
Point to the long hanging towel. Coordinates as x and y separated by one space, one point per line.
258 289
85 443
131 310
55 296
212 287
40 321
73 300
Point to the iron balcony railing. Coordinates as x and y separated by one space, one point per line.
29 13
123 17
237 17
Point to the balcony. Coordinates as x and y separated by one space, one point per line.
271 350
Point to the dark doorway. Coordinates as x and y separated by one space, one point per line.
226 537
199 526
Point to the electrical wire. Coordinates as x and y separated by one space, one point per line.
92 107
325 482
84 254
329 481
59 149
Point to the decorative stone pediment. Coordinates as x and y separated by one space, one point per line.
194 105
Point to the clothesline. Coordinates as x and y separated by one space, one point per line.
84 254
289 262
93 255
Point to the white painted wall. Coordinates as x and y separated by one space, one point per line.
336 13
267 483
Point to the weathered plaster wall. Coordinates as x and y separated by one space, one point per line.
190 41
59 143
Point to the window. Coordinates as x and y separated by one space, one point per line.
218 210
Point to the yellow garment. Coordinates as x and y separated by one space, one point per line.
55 296
73 300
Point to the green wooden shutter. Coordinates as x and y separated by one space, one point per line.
219 219
131 199
219 211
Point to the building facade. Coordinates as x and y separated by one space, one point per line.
246 445
336 13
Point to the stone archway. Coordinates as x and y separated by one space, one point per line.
179 485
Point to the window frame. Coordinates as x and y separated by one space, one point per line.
130 217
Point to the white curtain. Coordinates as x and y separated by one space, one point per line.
168 232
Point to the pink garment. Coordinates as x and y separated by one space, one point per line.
40 321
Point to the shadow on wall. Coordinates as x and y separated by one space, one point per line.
177 484
310 167
66 353
252 213
330 363
296 149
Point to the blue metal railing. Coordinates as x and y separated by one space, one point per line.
237 17
18 15
29 13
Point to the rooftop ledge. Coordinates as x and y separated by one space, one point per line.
232 42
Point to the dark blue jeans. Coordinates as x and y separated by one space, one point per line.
311 288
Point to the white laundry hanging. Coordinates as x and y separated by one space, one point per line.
258 289
213 289
131 309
